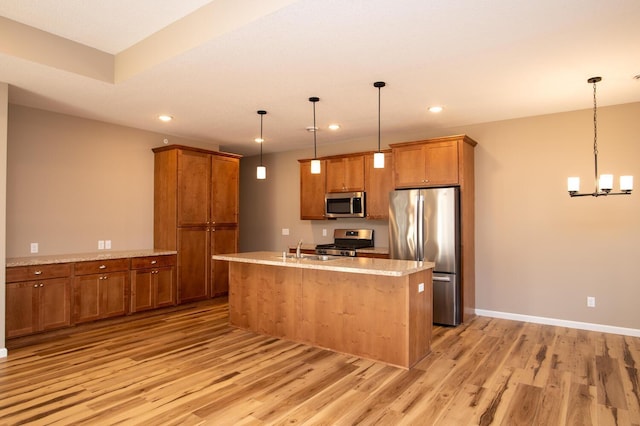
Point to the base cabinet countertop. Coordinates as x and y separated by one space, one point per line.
378 309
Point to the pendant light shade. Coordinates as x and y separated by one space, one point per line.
378 157
261 171
315 163
603 183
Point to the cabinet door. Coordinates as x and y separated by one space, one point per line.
165 285
312 190
193 264
141 290
87 297
223 241
441 163
224 189
113 291
194 179
54 303
409 166
378 184
21 315
345 174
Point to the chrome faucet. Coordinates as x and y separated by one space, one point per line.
298 248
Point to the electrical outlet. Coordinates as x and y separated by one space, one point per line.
100 244
420 287
107 244
285 231
34 247
591 302
324 232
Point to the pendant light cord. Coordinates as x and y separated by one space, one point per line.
315 130
379 87
261 139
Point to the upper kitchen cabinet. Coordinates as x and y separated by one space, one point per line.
312 190
345 173
224 190
196 191
378 184
432 162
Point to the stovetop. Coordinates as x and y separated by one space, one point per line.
346 242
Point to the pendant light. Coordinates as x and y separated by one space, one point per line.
315 163
378 157
261 171
603 183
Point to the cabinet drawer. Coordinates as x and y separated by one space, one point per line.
153 261
38 272
101 266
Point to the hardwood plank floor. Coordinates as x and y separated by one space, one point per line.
186 366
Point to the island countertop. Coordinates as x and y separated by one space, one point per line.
357 265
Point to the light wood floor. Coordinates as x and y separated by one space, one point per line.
187 366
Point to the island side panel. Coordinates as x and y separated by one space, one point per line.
265 299
360 314
420 315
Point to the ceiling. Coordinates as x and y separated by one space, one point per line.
213 64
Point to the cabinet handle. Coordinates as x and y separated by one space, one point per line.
41 284
35 285
37 273
153 262
102 267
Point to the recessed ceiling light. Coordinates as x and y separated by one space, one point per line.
165 117
334 126
435 109
259 140
311 129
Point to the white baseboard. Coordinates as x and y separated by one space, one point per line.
3 352
560 323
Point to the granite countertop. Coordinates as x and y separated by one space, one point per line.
357 265
84 257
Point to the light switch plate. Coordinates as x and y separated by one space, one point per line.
107 244
100 244
285 231
420 287
34 247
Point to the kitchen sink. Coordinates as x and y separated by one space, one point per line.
321 257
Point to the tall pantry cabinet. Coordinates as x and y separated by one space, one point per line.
196 213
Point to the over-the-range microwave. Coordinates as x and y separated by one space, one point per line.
344 204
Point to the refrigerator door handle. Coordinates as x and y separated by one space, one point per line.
420 227
446 279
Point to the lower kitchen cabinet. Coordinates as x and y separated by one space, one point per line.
153 282
101 289
34 306
224 240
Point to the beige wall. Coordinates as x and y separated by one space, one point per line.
72 182
538 251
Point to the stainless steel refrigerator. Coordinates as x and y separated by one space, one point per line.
424 224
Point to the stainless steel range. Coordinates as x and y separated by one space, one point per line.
346 242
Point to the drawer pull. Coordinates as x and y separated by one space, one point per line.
153 262
38 273
102 267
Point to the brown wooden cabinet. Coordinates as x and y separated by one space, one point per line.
224 240
312 190
378 184
101 289
37 299
153 282
196 192
426 163
345 173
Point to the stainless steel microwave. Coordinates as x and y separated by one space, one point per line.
344 204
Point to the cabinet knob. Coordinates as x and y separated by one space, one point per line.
41 284
153 262
102 267
37 273
35 285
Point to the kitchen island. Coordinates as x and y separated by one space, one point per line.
378 309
